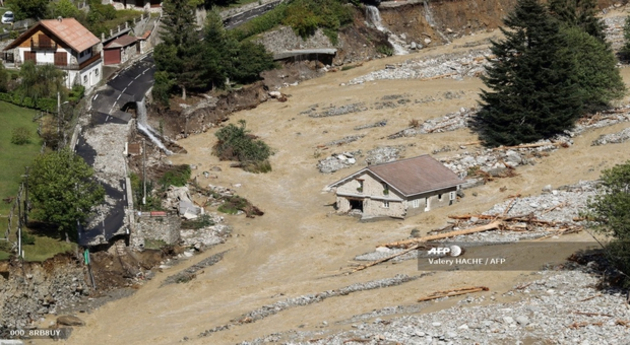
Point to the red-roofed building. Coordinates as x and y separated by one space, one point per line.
121 49
397 189
65 43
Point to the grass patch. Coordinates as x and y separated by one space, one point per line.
44 247
14 158
198 223
233 205
177 176
154 244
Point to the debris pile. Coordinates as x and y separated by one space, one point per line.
449 122
381 123
337 162
333 110
384 154
614 138
559 307
455 65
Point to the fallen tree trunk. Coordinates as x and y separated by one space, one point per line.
374 263
454 292
415 241
525 146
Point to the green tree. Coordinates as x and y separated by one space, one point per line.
181 54
42 81
624 52
63 8
249 61
611 211
162 87
579 13
63 190
598 77
534 91
236 143
4 79
23 9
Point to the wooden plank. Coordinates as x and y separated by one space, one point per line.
454 292
414 241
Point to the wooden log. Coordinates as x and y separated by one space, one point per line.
525 146
415 241
591 314
454 292
374 263
468 216
439 76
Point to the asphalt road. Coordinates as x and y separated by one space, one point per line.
129 85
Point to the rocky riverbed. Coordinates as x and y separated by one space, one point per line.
560 307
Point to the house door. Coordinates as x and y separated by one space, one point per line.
112 56
428 205
30 56
356 204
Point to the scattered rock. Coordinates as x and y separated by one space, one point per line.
69 320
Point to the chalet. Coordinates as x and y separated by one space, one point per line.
397 189
63 42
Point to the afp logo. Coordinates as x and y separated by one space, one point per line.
453 250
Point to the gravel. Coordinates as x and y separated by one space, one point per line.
456 66
614 138
553 309
304 300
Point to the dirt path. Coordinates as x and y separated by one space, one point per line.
298 244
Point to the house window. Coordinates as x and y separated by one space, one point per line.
30 56
360 188
452 196
415 203
85 79
61 59
96 72
385 204
440 197
385 189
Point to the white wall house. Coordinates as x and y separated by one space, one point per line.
397 189
64 43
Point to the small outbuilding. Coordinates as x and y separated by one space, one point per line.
121 49
397 189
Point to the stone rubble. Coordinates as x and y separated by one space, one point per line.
304 300
384 154
568 201
449 122
381 123
553 309
455 66
337 162
614 138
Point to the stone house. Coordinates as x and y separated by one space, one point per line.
397 189
64 43
121 50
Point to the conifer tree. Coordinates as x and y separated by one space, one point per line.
579 13
533 89
180 54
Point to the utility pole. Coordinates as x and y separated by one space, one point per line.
144 173
58 115
19 223
26 197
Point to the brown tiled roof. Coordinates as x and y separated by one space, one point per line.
416 175
67 30
121 42
412 176
71 32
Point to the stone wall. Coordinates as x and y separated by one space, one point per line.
284 38
371 188
432 198
164 228
376 208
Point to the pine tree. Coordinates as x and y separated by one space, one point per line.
598 76
579 13
180 54
534 92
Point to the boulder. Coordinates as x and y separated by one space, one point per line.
69 320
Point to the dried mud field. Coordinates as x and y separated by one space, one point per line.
299 245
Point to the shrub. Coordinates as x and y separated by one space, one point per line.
178 176
21 136
233 205
385 49
235 143
27 239
199 223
